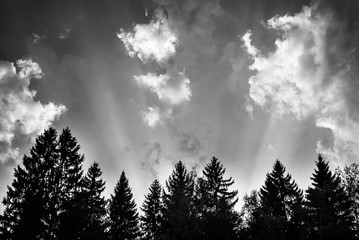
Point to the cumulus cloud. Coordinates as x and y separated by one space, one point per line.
21 117
152 116
157 41
153 41
311 72
172 87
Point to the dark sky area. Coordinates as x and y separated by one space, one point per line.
143 84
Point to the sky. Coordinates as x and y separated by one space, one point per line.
143 84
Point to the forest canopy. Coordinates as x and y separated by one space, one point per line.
53 197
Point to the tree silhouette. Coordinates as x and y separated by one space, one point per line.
327 205
281 202
27 214
50 198
178 212
152 208
219 218
251 223
123 213
350 182
68 178
94 205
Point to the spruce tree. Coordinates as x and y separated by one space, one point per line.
152 212
281 202
123 214
179 219
94 205
220 220
44 190
328 206
68 196
26 214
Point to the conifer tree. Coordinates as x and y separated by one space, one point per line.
67 195
94 205
179 220
220 220
281 201
123 213
152 209
327 205
44 189
26 213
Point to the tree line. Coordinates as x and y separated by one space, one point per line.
52 198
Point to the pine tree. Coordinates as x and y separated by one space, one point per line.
67 195
94 205
281 201
44 189
179 220
152 209
328 206
218 214
123 213
26 213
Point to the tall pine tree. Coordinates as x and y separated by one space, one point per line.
220 220
94 205
123 214
44 190
152 212
26 214
67 193
328 206
281 201
178 213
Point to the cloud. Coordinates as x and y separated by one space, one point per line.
311 72
172 88
21 117
153 41
247 43
157 41
151 161
248 108
152 116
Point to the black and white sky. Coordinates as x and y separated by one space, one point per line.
145 83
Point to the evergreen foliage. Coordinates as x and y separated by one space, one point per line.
179 218
152 212
123 214
218 216
68 186
94 205
328 206
281 202
51 198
